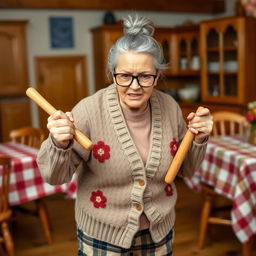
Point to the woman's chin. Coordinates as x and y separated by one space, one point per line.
135 106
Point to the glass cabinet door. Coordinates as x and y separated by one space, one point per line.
221 63
183 55
230 62
213 63
188 54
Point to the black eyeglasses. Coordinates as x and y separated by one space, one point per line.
144 80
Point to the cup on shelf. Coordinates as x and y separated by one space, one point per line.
230 65
214 66
183 63
195 63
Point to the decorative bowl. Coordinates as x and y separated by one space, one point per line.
188 94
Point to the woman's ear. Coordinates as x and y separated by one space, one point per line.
110 76
159 73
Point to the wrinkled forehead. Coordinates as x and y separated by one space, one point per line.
133 62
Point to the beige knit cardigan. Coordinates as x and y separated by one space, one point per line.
114 186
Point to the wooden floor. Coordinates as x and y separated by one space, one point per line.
29 241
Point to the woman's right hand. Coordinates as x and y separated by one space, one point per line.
61 127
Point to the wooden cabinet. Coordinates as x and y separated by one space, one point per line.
180 45
228 59
164 37
14 113
218 56
103 39
14 106
13 63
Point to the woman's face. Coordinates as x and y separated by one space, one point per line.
135 97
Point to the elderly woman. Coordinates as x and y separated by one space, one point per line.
123 205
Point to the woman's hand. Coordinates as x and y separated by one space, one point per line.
200 124
61 127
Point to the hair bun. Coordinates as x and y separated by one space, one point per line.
138 26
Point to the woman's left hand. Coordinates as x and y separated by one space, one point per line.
200 123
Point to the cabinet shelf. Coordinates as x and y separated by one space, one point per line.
194 53
230 73
188 72
226 48
213 49
230 48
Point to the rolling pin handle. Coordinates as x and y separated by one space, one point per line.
180 155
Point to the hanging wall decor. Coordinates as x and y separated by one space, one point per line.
61 32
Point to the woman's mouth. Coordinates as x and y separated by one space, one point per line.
134 95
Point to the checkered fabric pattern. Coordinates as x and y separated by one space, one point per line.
142 245
26 183
230 167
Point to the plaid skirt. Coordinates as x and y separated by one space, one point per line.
142 245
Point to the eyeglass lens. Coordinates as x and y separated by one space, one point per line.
145 80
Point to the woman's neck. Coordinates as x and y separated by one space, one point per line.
135 111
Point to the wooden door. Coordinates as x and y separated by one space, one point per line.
61 80
13 58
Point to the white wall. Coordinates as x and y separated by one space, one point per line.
38 41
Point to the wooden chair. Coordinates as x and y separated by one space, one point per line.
231 123
5 211
225 123
30 136
33 137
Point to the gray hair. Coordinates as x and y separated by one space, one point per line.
138 38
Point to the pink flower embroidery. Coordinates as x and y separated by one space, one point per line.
168 189
98 199
173 147
101 151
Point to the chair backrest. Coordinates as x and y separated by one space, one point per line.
30 136
5 170
230 123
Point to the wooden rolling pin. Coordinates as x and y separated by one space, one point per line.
180 155
48 108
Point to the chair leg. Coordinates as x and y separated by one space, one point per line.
43 215
8 239
204 219
247 248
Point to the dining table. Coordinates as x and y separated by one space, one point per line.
26 182
229 167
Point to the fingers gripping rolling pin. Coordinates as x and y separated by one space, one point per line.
48 108
180 155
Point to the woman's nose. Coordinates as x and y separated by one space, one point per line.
135 84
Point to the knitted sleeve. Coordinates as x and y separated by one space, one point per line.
57 165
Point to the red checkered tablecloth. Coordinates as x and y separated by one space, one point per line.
230 167
26 183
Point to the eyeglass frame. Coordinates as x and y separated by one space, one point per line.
137 78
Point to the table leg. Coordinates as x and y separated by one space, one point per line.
247 248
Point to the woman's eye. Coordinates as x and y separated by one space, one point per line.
125 76
144 77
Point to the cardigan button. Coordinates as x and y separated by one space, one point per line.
141 182
138 207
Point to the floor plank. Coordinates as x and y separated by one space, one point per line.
29 239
